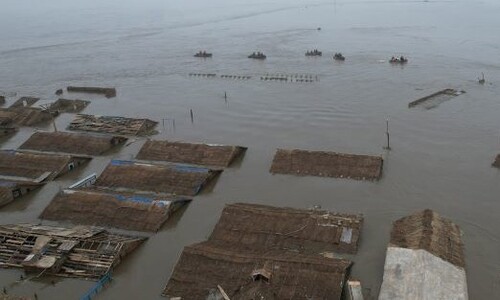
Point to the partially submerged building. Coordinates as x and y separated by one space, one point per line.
108 207
425 259
435 99
264 252
10 190
257 226
24 102
25 116
74 143
113 125
36 166
159 178
84 252
327 164
69 105
190 153
205 270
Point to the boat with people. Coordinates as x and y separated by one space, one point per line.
203 54
257 55
398 60
338 56
314 52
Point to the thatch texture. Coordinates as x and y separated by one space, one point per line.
24 102
75 143
327 164
429 231
205 266
140 212
68 105
25 116
37 167
159 178
11 190
84 252
113 125
108 92
315 231
188 153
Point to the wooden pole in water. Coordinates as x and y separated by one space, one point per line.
192 117
388 147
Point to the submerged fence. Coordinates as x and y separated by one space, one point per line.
97 287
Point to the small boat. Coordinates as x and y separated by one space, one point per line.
257 55
203 54
338 56
314 52
398 60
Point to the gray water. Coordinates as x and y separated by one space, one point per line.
440 159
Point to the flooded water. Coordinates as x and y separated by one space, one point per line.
441 158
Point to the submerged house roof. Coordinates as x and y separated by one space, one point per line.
104 207
277 274
257 226
24 102
189 153
86 252
425 259
327 164
75 143
36 167
25 116
113 125
10 190
69 105
159 178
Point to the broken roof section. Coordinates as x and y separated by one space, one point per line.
113 125
327 164
105 207
68 105
75 143
24 102
189 153
158 178
85 252
255 226
36 167
277 274
425 259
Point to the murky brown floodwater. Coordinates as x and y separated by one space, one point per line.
440 159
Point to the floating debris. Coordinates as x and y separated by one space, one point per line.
203 54
114 125
327 164
83 252
74 143
339 57
314 52
189 153
436 99
107 92
257 55
398 60
425 259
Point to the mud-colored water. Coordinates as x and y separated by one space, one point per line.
440 159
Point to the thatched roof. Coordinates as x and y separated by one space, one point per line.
75 143
316 231
113 125
25 116
428 231
24 102
7 130
159 178
85 252
37 167
140 212
205 266
327 164
9 190
68 105
188 153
